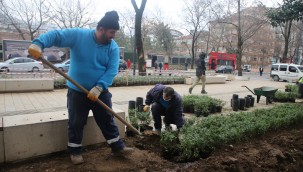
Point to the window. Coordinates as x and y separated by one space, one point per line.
28 60
274 67
292 69
283 67
18 61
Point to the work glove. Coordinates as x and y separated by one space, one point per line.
35 51
94 93
146 108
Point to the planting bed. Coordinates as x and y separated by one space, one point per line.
280 150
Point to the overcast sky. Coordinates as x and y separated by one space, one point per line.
170 8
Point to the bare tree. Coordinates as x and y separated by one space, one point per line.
26 16
126 21
138 35
195 13
71 13
245 24
296 42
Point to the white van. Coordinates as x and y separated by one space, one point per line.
286 72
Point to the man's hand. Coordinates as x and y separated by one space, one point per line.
94 93
146 108
35 51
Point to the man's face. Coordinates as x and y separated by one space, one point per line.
106 35
166 97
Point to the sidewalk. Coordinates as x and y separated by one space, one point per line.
37 102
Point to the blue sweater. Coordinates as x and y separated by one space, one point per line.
91 63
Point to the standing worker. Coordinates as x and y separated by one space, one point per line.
165 102
200 73
94 63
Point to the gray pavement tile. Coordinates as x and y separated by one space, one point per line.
34 102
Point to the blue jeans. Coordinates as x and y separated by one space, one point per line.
78 109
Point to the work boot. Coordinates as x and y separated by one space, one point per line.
123 152
76 159
203 92
190 89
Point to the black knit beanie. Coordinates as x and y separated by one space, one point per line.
110 21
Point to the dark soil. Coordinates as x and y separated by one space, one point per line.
276 151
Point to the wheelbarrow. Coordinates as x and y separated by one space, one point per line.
268 92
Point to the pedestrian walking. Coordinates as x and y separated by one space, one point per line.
261 71
200 73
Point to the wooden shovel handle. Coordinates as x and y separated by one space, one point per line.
86 92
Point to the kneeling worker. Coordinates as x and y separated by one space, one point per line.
165 102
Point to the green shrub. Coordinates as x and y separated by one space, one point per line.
199 136
59 82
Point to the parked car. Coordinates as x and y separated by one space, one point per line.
286 72
246 68
224 69
64 66
21 64
122 65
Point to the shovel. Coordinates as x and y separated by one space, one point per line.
86 92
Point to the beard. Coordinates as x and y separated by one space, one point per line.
105 39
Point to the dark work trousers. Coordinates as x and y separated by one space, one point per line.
78 109
158 110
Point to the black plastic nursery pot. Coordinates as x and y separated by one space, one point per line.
139 101
219 108
242 104
212 109
235 104
247 102
198 113
131 104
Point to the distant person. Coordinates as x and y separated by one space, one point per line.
160 66
94 64
128 64
156 65
186 66
200 73
261 71
164 101
9 56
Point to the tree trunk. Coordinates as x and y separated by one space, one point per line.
193 52
286 37
239 44
138 37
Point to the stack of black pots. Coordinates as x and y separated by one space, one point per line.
139 104
242 103
235 102
131 104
